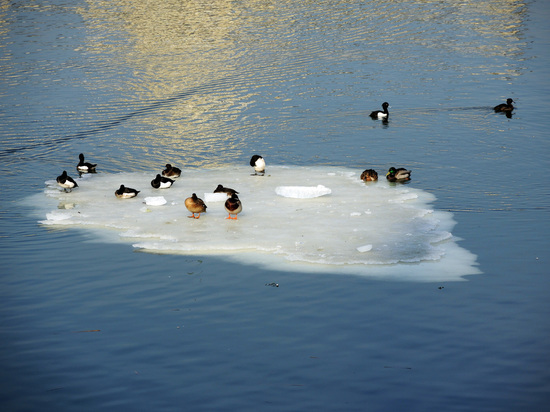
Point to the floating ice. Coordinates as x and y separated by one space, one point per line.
215 197
302 192
364 248
377 229
155 201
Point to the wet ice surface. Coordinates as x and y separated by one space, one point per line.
303 219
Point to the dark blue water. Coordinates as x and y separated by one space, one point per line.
89 326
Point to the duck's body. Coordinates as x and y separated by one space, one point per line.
171 171
195 205
126 192
66 182
381 114
160 182
233 206
504 107
369 175
221 189
258 163
398 175
85 167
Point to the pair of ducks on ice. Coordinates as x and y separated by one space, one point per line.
383 114
394 175
232 205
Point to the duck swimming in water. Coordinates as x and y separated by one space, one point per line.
398 175
66 182
171 171
381 114
221 189
160 182
85 167
504 107
258 163
124 192
369 175
233 206
195 205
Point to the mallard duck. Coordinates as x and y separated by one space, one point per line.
195 205
124 192
369 175
160 182
233 206
85 167
381 114
258 163
400 174
66 182
504 107
171 171
221 189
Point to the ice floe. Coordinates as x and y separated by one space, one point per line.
301 219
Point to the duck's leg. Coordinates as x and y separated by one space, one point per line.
197 216
193 216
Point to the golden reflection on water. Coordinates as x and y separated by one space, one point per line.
209 61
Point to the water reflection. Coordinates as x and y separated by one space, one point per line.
186 80
233 53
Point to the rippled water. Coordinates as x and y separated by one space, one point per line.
134 85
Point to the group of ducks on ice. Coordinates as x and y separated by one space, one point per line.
233 204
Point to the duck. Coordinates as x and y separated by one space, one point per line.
171 171
160 182
381 114
369 175
85 167
66 182
126 192
195 205
258 163
221 189
396 175
233 206
504 107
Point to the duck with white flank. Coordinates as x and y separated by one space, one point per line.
221 189
195 205
258 163
160 182
398 175
171 171
85 167
66 182
233 206
126 192
381 114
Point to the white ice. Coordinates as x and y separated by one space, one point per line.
155 201
342 226
215 197
302 192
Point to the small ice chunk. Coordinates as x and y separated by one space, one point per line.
302 192
215 197
155 201
364 248
58 216
355 214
